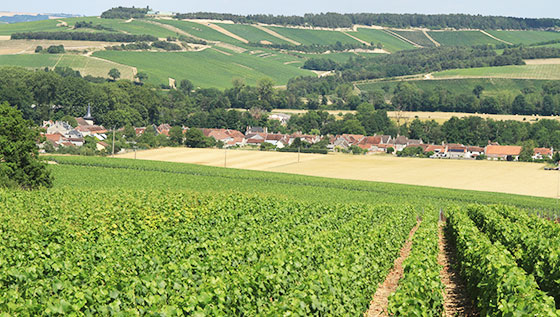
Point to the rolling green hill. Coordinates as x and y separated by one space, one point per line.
217 65
208 68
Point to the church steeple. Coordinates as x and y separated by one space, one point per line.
88 115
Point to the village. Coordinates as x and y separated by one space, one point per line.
60 134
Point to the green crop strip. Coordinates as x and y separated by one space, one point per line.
499 285
535 249
420 290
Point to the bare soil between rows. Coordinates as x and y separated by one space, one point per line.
456 299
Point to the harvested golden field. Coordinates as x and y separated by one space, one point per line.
440 117
506 177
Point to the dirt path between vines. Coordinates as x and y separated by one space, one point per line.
456 299
378 306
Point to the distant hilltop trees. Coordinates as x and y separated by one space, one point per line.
432 21
125 13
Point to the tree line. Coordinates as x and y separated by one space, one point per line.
83 36
316 48
432 21
531 100
125 13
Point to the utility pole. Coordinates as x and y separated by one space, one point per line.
298 152
225 157
113 151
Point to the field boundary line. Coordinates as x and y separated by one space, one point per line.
378 306
275 34
357 39
402 38
495 38
431 38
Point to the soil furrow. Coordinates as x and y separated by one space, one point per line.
456 299
378 306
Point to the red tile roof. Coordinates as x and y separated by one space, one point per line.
503 150
542 151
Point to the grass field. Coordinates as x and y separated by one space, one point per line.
525 37
417 37
208 68
498 176
515 71
462 38
308 37
86 65
390 43
251 33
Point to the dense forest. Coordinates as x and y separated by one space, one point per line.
84 36
125 13
432 21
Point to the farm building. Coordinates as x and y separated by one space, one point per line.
503 152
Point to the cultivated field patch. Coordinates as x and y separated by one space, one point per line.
497 176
